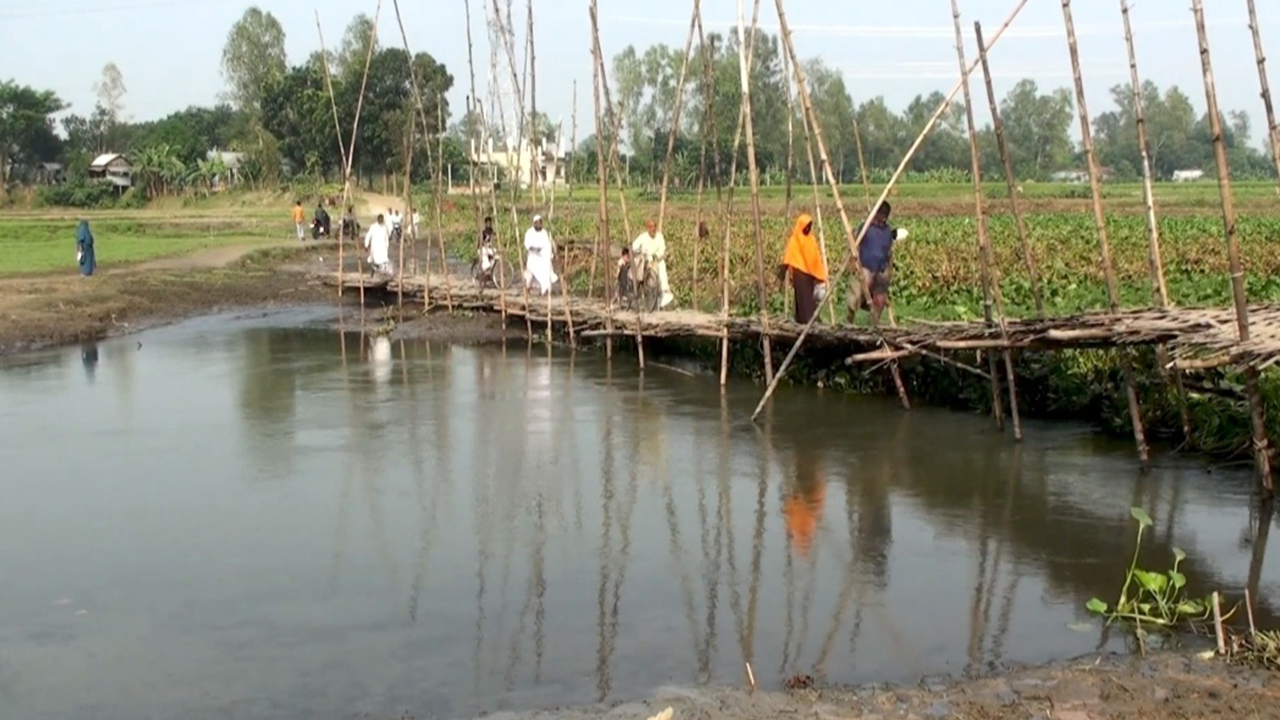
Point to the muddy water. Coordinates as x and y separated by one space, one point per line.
256 517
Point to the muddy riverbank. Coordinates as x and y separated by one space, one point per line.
1108 687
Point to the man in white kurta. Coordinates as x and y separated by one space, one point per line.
378 242
540 251
653 247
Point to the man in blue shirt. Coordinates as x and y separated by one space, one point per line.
875 255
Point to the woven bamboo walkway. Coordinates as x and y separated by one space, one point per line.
1196 338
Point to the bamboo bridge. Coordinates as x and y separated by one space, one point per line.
1196 338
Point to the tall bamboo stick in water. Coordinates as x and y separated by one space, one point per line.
408 198
675 115
1273 134
817 204
1257 418
507 31
1100 225
355 126
337 128
476 143
1160 291
440 190
536 144
615 165
990 272
573 142
1011 181
791 156
856 238
753 173
728 213
602 226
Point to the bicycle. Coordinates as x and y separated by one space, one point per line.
645 292
490 270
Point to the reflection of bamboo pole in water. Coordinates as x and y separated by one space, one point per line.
1259 550
1011 491
428 508
677 558
847 588
757 553
606 543
624 536
975 611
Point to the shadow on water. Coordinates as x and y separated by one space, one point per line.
369 526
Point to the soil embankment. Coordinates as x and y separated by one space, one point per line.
1162 687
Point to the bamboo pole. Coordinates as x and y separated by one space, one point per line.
337 128
1273 134
856 238
990 271
355 126
1160 290
507 31
817 205
791 152
602 181
728 215
675 114
535 163
476 105
615 165
862 162
408 195
1100 225
1257 418
753 175
444 255
1011 181
573 143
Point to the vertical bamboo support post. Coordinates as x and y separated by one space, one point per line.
1010 180
1159 289
862 162
507 32
791 157
1257 417
536 148
355 126
616 167
753 174
675 120
817 205
1100 225
728 211
408 196
440 190
856 237
1273 134
602 225
573 143
990 272
476 105
337 128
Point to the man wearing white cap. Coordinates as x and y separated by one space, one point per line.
538 269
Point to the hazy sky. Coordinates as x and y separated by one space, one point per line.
169 51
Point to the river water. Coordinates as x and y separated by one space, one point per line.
259 517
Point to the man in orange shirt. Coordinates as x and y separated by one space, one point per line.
299 219
803 257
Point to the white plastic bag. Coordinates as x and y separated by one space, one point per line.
820 292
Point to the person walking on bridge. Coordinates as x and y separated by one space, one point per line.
653 248
539 271
803 259
378 242
875 255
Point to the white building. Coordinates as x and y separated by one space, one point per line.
550 164
1187 175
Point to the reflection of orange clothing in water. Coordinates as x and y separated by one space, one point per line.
803 506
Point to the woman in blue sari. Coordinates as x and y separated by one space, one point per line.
84 249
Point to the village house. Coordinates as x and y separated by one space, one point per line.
231 161
495 163
1187 175
114 168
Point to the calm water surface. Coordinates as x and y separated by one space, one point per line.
257 517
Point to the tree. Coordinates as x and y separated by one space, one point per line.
253 56
296 112
26 126
1037 128
349 61
110 90
834 108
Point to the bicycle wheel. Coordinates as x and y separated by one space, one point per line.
650 292
476 274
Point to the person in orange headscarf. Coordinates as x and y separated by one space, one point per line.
803 258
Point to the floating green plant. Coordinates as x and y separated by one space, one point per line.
1158 599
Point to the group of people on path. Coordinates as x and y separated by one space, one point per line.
802 261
